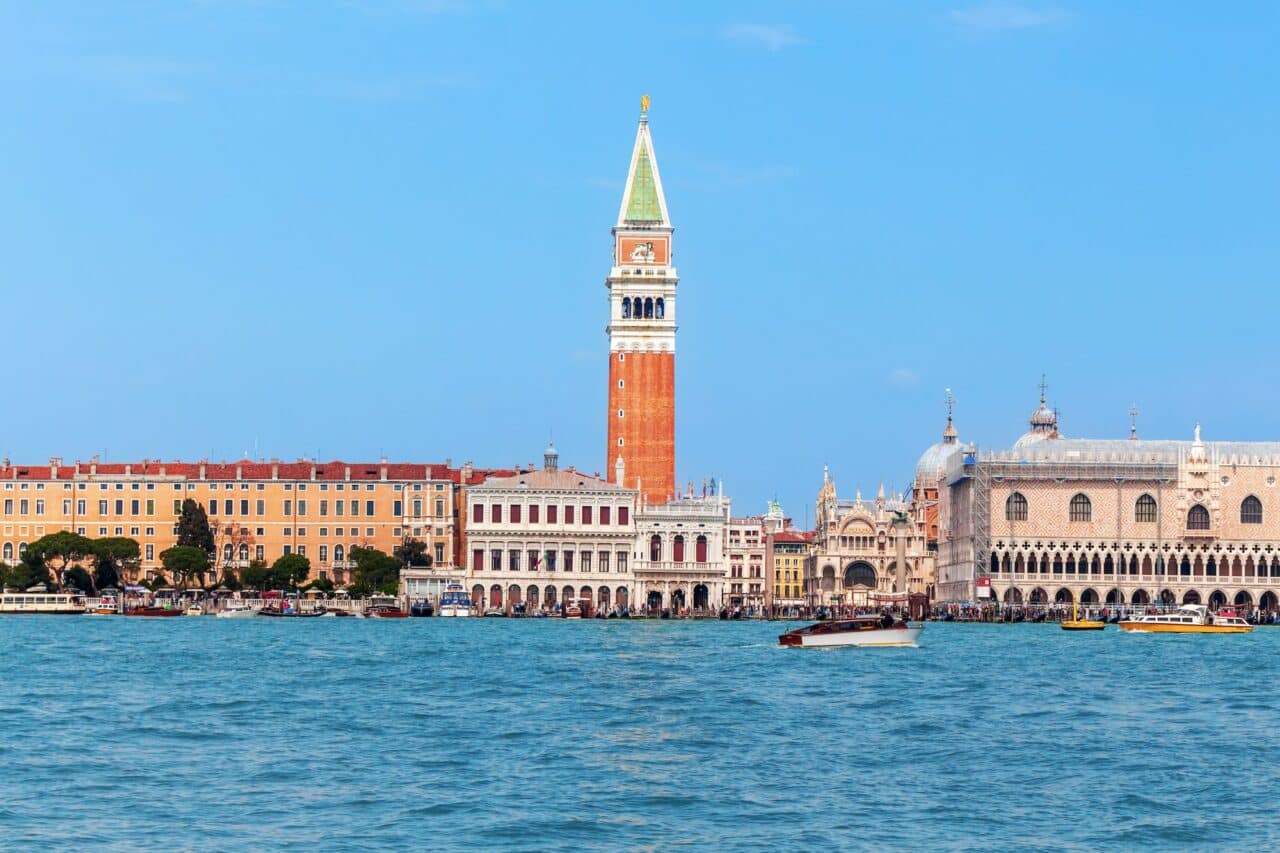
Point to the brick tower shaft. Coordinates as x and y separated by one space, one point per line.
642 332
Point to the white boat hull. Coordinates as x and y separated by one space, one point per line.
455 612
879 637
247 613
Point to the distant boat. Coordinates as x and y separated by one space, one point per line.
572 611
869 630
1188 619
1075 623
236 610
45 603
422 607
154 611
455 602
385 611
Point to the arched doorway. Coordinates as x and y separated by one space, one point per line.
513 594
1013 595
1089 596
602 598
1062 596
567 596
1191 597
1217 599
477 595
531 595
1167 598
550 600
654 601
1114 596
585 596
1140 596
677 599
1244 599
828 582
1268 602
620 597
859 573
1039 596
701 597
495 596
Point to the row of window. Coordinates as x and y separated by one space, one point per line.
228 505
515 513
1144 510
550 560
677 549
213 486
1105 566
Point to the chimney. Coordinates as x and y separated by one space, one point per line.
93 466
54 463
275 470
203 465
448 462
466 472
347 473
77 467
313 470
239 471
384 468
128 470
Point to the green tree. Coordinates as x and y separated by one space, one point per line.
112 554
193 527
289 571
64 546
413 552
321 584
375 572
184 562
24 576
255 575
77 578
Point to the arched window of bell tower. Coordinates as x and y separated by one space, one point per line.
626 308
659 308
648 309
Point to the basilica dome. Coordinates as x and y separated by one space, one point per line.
934 459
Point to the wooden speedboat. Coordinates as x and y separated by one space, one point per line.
869 630
290 613
1075 623
572 611
385 611
154 611
1188 619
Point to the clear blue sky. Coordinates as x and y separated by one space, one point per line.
361 228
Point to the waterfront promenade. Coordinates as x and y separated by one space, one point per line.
545 734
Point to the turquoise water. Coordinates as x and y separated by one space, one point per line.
536 734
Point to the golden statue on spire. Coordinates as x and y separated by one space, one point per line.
644 103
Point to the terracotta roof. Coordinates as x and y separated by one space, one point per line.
336 470
542 479
793 536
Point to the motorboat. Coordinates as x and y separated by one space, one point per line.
1188 619
44 603
385 611
572 611
238 610
495 612
108 604
455 602
869 630
422 607
1075 623
154 611
195 610
290 612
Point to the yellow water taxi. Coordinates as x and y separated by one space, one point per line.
1075 623
1189 619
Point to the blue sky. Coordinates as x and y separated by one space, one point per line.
364 228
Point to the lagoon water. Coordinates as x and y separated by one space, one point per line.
542 734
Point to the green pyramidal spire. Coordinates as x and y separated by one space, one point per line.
642 197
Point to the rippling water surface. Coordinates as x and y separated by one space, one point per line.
485 733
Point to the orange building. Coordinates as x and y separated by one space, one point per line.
641 449
257 510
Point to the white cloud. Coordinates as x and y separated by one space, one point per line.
902 377
1000 16
772 37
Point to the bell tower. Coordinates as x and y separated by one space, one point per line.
642 331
